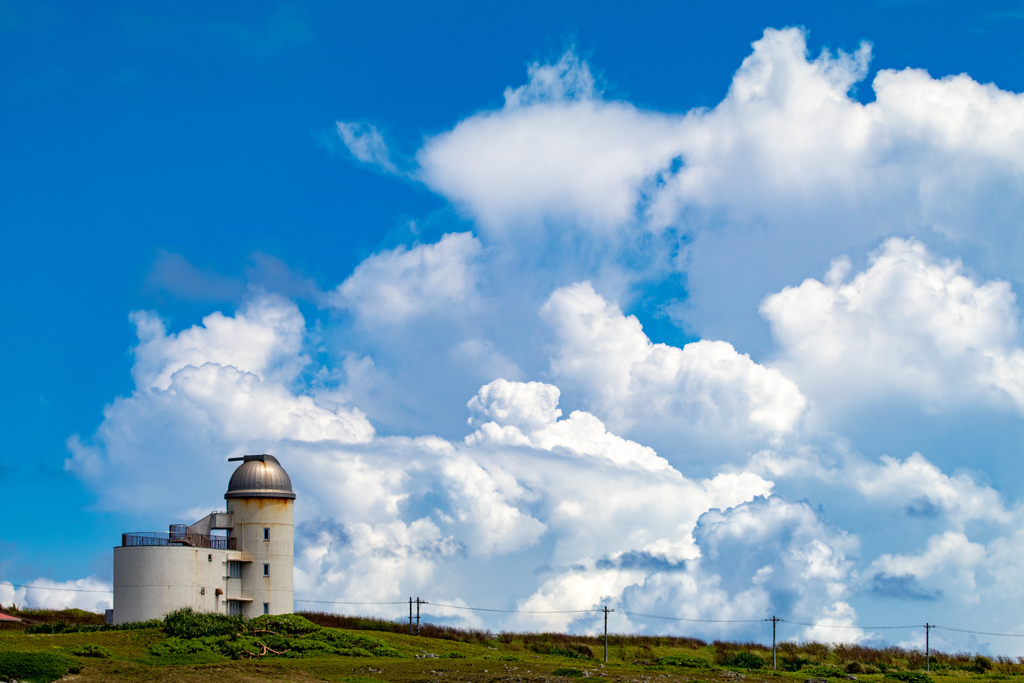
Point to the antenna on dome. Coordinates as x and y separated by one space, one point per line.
249 458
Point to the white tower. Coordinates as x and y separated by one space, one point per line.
261 501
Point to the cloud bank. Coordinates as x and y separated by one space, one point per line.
483 418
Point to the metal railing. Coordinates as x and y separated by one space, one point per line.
178 537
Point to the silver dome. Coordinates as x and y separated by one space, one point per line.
259 476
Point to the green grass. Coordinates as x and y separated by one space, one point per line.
314 651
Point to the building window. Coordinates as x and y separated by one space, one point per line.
234 570
266 533
266 608
234 607
266 569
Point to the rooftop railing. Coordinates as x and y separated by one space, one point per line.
178 537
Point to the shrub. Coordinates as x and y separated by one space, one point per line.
794 663
136 625
686 661
908 676
573 651
291 624
59 626
38 667
90 650
745 660
825 672
980 664
581 649
188 623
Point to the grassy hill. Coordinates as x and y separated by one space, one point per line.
317 647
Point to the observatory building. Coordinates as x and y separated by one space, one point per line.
237 561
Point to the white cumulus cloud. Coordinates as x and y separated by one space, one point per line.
704 386
525 413
395 285
910 324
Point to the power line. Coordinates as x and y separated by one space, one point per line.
517 611
343 602
873 628
980 633
463 607
49 588
702 621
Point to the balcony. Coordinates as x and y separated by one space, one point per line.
179 535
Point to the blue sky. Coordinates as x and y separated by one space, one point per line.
700 310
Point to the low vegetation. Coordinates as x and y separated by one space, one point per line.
39 667
193 646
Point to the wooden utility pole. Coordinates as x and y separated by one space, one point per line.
606 611
927 649
775 661
418 603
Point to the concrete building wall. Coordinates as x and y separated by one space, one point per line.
273 548
150 581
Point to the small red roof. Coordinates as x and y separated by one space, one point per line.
8 617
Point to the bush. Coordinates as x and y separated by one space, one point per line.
188 623
570 650
745 660
824 672
135 625
38 667
980 664
908 676
794 663
686 661
573 651
290 624
59 626
90 650
571 673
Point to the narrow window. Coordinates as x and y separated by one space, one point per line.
266 533
234 570
266 570
266 608
234 607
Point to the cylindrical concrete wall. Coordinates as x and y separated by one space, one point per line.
150 581
265 528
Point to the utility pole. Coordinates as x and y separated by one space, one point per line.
418 603
927 649
606 611
775 661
